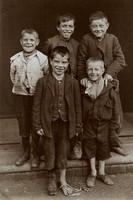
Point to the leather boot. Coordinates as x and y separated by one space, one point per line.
34 153
26 154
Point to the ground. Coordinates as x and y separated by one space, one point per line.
34 188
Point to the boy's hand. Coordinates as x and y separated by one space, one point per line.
107 78
40 132
84 82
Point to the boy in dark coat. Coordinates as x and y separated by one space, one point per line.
104 45
57 117
100 119
65 27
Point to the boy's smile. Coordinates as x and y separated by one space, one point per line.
66 29
59 64
95 71
99 27
29 42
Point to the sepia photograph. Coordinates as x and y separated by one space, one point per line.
66 99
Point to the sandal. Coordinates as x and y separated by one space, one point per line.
70 191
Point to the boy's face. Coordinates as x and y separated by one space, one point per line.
99 27
66 29
95 70
59 64
29 42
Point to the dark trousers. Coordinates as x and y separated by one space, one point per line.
56 148
24 105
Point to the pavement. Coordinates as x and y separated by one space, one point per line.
24 183
33 188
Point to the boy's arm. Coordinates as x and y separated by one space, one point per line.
12 72
77 102
81 59
47 48
115 123
45 67
118 62
37 105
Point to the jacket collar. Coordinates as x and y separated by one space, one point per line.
50 83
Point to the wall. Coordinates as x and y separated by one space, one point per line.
41 15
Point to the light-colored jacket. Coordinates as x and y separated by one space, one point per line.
25 74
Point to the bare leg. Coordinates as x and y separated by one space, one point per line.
91 180
101 170
93 166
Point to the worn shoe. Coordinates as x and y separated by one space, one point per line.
35 161
91 181
105 179
23 159
52 184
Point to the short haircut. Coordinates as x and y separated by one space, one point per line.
97 15
60 50
30 31
65 17
94 59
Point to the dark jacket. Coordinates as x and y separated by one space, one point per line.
72 46
44 100
104 109
108 49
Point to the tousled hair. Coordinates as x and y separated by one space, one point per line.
60 50
65 17
94 59
30 31
97 15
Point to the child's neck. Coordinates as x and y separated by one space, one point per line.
97 81
58 77
28 54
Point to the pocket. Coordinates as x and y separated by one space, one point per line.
107 110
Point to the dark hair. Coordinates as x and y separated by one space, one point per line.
60 50
30 31
65 17
95 59
97 15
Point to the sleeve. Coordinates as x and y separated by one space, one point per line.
78 110
12 72
45 66
47 47
81 59
115 124
37 105
118 62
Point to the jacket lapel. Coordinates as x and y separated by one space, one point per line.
50 83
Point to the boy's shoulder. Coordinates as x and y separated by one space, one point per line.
42 57
90 36
57 39
17 55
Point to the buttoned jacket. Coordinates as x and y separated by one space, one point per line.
44 101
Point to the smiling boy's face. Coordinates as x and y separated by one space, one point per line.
95 70
66 29
59 64
99 27
29 41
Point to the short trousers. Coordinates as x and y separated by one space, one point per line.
96 141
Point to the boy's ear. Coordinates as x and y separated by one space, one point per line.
21 41
107 25
57 27
38 41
